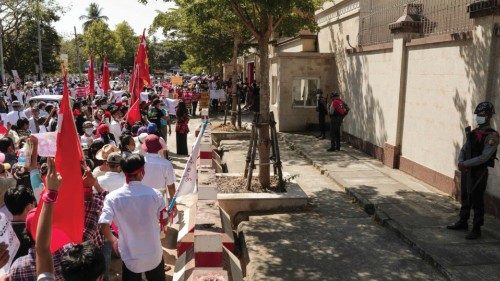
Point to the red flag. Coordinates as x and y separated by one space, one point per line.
141 68
91 77
105 77
143 61
69 212
134 113
136 86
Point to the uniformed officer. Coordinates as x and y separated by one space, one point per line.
322 110
477 154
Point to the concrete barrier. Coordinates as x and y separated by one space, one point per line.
206 241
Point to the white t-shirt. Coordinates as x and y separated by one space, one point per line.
86 140
111 181
13 116
116 129
116 96
135 209
159 172
144 96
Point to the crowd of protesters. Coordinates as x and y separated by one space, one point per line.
126 172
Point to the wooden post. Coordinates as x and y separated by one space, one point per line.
252 136
251 164
278 167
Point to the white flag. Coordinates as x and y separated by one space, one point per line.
190 174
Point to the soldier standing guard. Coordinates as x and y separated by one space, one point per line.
477 154
322 110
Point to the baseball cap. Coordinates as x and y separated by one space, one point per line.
114 158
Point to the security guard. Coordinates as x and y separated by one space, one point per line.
478 153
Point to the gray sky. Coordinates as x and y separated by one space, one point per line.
139 16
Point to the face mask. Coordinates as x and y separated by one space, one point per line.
480 120
89 131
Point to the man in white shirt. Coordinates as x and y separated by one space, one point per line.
136 209
35 114
116 95
16 113
159 171
114 178
115 127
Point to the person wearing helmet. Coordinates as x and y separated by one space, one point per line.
322 110
476 155
337 110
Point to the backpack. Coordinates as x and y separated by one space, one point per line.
333 112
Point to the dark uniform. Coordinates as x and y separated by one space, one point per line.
322 110
337 111
477 154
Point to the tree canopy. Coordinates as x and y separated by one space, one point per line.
94 13
128 41
100 42
19 21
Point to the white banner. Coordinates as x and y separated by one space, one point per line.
47 143
8 237
190 174
218 94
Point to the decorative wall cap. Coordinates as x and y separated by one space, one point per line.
483 8
410 21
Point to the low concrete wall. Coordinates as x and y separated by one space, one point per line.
217 137
235 203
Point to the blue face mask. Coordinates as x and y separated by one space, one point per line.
480 120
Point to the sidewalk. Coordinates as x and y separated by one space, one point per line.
415 211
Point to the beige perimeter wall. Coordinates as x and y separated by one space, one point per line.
444 83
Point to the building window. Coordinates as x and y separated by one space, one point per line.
304 92
274 90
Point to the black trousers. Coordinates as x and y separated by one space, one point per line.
182 146
157 274
195 105
322 124
475 199
335 124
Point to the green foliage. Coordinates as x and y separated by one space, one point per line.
100 41
192 66
94 13
20 36
205 27
128 41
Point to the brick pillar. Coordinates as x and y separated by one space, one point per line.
406 27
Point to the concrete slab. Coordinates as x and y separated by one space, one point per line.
464 254
487 272
335 249
414 215
378 193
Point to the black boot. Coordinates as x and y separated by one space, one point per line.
331 149
459 225
475 233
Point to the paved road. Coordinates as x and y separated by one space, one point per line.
333 240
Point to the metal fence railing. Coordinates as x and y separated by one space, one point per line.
374 21
437 17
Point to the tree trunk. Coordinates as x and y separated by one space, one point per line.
234 86
264 139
